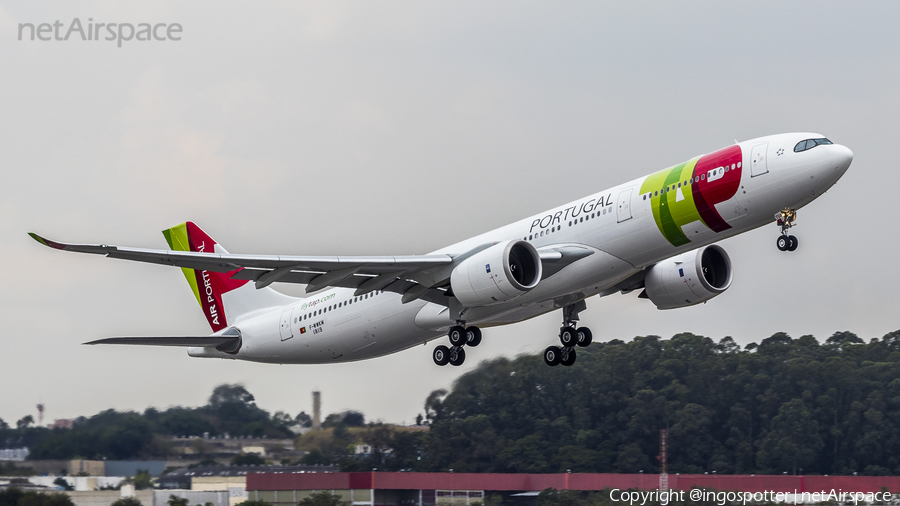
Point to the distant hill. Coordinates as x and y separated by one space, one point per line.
784 405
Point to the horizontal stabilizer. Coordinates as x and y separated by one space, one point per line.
201 341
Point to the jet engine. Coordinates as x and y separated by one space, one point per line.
689 278
497 274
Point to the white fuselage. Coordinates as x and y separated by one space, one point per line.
618 224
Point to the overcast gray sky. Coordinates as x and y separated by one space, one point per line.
397 128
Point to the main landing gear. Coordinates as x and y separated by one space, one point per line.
569 337
785 219
460 336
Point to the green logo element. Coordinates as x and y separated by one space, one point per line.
672 200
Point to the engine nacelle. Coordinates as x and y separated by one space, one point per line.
689 278
497 274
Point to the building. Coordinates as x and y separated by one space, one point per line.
460 489
229 479
14 454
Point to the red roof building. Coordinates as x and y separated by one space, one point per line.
460 489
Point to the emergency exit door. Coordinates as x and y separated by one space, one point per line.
624 205
758 165
286 316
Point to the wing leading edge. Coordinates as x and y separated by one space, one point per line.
186 341
414 276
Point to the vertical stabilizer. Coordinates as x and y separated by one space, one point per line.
223 300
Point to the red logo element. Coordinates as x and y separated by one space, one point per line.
726 185
211 284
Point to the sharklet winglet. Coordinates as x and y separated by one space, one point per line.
46 242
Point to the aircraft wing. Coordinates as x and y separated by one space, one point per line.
414 276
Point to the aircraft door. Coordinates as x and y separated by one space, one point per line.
624 205
286 316
758 165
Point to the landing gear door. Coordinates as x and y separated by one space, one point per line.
286 316
758 164
624 205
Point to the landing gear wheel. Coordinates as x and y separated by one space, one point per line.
473 336
441 355
783 243
457 356
583 336
794 243
567 336
457 335
567 357
551 355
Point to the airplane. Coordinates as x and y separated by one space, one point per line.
656 233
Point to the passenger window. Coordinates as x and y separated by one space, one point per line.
726 169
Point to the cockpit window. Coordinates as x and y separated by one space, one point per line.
809 144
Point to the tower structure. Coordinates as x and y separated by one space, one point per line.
317 411
663 460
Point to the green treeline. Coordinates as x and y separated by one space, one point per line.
782 406
118 435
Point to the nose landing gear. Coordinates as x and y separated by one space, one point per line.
785 219
459 336
569 337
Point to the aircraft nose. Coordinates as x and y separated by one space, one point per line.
843 156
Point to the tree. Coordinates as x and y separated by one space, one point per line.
177 501
248 459
226 394
25 422
127 501
62 482
16 497
354 419
142 480
433 403
323 498
346 418
793 440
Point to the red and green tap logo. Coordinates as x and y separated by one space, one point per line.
688 192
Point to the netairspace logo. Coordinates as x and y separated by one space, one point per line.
90 31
